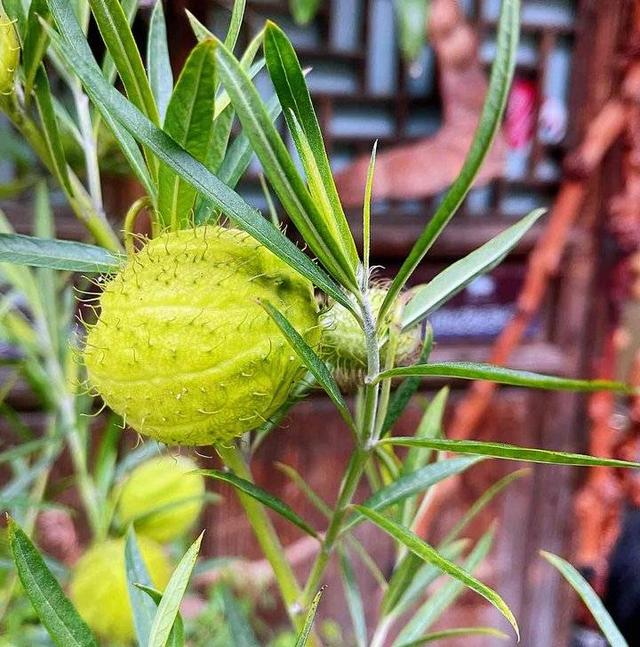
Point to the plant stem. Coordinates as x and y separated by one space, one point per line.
266 536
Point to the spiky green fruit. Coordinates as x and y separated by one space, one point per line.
183 349
98 586
162 497
344 345
9 52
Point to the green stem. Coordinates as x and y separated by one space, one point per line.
80 202
266 536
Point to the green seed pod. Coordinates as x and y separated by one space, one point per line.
344 345
98 586
162 497
9 52
184 351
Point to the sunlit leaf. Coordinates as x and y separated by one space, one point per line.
589 597
303 637
508 452
501 375
264 497
158 61
429 554
57 614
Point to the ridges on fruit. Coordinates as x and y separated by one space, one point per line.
98 586
162 497
183 349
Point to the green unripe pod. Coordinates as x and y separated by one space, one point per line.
183 349
98 586
9 53
163 497
344 345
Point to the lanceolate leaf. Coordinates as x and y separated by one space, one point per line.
57 254
429 554
501 375
589 597
413 483
280 169
115 30
288 80
509 452
317 367
437 603
50 129
176 637
54 609
144 609
189 122
302 639
158 62
35 43
501 75
237 14
110 102
277 505
456 277
167 611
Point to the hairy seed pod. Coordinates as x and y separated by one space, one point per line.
183 349
9 52
344 345
162 497
98 586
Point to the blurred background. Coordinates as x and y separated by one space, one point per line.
564 302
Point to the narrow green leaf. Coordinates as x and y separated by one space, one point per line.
50 130
167 611
239 626
461 632
144 608
273 502
16 11
589 597
189 121
311 360
199 30
495 101
438 602
237 14
354 600
111 103
409 386
57 254
302 639
35 43
412 578
176 637
280 168
75 36
158 61
288 80
413 483
456 277
116 33
130 8
429 554
508 452
366 211
501 375
57 614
